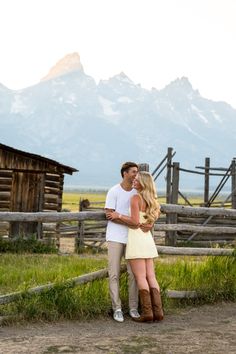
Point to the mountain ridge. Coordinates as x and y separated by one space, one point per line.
95 127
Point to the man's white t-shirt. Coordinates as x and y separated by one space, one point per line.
119 200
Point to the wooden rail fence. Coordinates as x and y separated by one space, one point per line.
94 235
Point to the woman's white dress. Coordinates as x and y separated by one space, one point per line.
140 244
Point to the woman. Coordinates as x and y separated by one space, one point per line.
141 249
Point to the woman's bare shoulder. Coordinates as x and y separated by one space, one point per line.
135 199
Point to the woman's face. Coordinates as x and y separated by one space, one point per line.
136 184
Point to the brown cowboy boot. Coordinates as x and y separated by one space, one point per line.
146 307
156 304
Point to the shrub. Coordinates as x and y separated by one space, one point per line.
29 245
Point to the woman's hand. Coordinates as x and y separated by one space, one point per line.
113 215
146 227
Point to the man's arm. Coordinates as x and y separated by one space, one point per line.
117 221
131 221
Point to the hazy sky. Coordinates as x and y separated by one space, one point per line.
152 41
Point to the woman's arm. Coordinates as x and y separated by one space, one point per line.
133 219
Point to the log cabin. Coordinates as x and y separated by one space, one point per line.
29 183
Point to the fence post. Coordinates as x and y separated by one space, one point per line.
171 236
168 175
168 191
143 167
206 181
233 183
80 238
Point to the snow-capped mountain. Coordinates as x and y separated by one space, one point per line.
95 127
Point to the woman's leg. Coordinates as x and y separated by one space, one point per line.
151 276
154 291
138 267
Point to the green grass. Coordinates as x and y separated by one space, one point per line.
214 278
25 271
71 200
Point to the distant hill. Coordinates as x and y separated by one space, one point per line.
95 127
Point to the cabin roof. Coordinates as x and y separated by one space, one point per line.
64 168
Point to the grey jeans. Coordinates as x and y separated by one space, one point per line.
116 251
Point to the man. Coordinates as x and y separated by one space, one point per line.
118 199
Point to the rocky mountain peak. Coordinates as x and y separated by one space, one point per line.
182 84
123 77
70 62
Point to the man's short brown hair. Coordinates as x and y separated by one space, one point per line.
126 166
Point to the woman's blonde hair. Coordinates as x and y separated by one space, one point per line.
149 194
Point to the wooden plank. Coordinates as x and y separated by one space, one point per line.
5 180
49 201
48 208
197 211
52 204
168 175
182 294
143 167
96 239
185 199
5 187
84 215
233 183
51 190
207 237
5 196
206 180
59 208
210 243
6 173
25 196
203 224
196 228
201 173
40 197
52 195
50 177
52 184
171 235
213 222
187 251
4 203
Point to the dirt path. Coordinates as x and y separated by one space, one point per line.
206 330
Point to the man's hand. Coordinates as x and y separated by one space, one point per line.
146 227
112 215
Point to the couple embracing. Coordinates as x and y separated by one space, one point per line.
131 209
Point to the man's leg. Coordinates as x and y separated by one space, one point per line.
115 252
133 289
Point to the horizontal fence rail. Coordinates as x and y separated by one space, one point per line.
84 279
96 233
203 229
100 215
194 251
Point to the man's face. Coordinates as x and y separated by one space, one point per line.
131 174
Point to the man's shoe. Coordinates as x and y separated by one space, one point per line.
118 316
134 313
